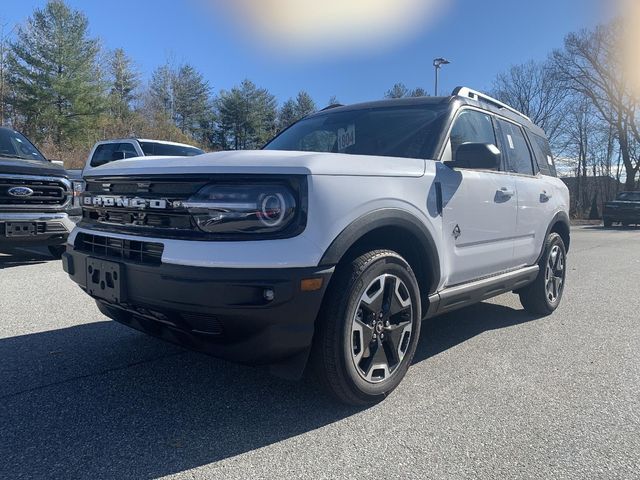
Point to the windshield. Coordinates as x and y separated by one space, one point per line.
168 150
393 131
629 196
16 145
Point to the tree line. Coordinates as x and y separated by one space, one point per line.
581 97
61 88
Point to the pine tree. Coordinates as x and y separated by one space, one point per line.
123 82
293 110
399 90
57 88
191 100
161 90
246 117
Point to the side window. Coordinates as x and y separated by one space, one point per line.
103 154
471 126
542 152
514 145
128 149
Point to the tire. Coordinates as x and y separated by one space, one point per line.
542 297
607 222
56 251
372 306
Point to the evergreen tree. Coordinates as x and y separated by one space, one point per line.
399 90
294 110
56 83
161 90
123 82
190 100
246 117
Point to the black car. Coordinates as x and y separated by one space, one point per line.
624 209
36 196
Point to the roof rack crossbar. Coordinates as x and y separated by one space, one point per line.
474 94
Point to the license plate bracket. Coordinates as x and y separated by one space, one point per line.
104 279
20 229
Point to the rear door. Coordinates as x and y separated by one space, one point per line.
479 206
533 198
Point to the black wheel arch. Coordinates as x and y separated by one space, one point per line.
561 225
424 259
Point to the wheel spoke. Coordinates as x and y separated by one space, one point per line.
374 295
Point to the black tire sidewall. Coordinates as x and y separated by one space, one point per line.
553 240
393 265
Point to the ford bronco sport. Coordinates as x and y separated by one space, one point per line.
36 196
331 244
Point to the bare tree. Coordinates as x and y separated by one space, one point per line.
591 65
533 89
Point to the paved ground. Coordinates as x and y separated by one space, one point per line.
493 393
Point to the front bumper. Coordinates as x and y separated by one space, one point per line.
220 311
48 228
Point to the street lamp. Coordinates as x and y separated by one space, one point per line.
437 63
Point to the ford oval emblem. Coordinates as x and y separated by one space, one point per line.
20 191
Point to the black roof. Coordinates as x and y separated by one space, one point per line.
450 99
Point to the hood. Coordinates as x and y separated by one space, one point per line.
30 167
266 162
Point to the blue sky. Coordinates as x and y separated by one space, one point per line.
480 37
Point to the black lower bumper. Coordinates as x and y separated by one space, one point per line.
256 316
20 229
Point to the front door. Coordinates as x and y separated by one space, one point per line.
479 207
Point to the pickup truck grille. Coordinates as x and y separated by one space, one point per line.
46 192
119 249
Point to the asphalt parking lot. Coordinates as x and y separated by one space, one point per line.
493 392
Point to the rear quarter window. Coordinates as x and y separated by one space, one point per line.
542 152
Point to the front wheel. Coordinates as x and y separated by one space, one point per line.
368 328
607 222
544 294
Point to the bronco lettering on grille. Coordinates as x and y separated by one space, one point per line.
126 202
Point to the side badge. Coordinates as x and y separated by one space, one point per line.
456 232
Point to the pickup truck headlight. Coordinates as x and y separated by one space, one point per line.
260 208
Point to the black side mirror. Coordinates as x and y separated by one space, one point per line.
476 155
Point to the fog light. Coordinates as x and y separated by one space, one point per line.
268 294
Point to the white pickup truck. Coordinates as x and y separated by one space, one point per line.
334 241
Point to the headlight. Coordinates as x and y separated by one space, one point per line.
256 208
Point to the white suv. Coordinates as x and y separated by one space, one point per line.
334 241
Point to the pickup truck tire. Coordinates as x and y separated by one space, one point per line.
56 251
607 222
368 328
543 296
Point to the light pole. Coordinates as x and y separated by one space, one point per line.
437 63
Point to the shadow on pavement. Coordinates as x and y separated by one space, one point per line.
99 400
14 257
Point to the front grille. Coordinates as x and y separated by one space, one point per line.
120 249
47 191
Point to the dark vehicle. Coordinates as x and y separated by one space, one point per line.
36 196
625 209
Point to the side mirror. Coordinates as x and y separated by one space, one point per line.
477 155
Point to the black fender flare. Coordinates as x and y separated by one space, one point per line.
386 217
560 217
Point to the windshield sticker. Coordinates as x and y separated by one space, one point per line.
346 137
510 142
549 160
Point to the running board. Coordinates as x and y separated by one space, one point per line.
453 298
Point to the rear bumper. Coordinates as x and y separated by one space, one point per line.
50 228
220 311
628 216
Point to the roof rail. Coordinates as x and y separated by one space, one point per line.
333 105
481 97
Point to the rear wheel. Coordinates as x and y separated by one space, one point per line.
544 294
368 328
607 222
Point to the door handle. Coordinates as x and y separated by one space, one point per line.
544 196
506 192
